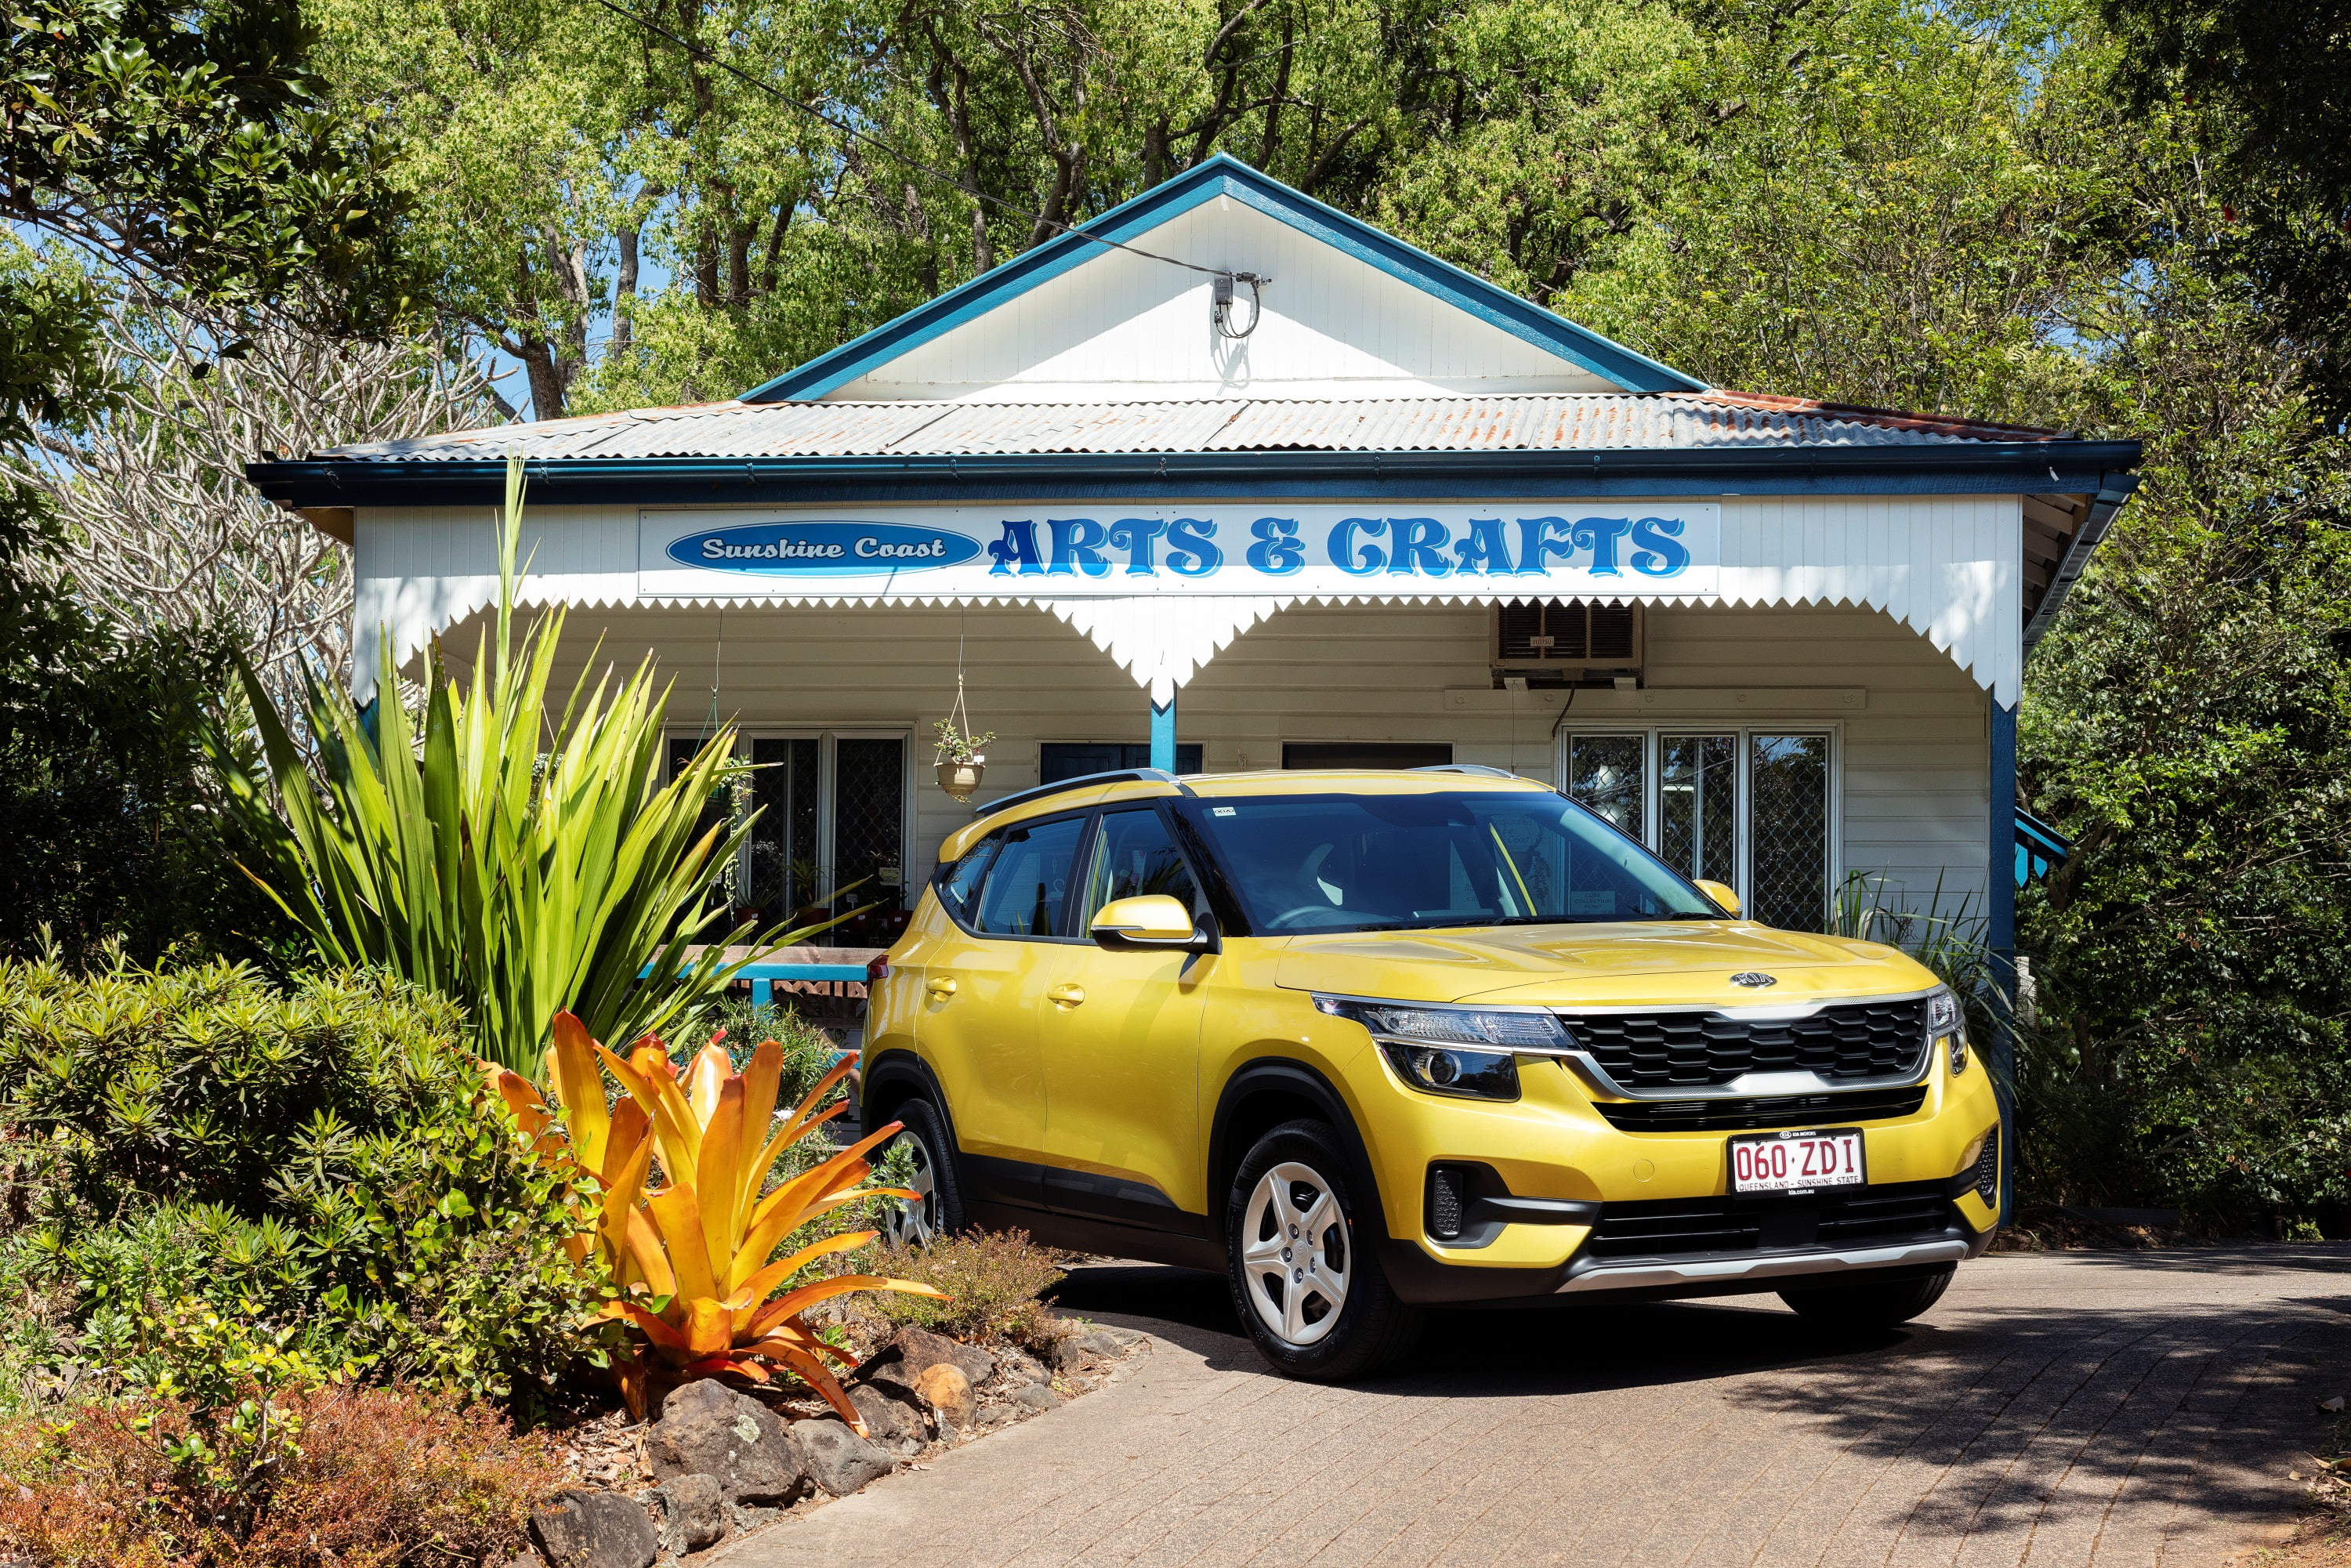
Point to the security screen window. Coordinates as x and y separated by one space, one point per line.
1306 863
1788 780
1749 809
830 836
1605 772
1698 805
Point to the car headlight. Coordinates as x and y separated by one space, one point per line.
1944 1024
1468 1052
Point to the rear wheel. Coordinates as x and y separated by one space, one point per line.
1870 1304
938 1209
1304 1284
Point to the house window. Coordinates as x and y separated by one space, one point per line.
1311 754
831 835
1060 760
1753 809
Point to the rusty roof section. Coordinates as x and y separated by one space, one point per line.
1565 422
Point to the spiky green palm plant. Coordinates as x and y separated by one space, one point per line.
523 862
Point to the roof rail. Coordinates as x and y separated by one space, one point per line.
1084 781
1479 768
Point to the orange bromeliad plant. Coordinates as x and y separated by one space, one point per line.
691 1258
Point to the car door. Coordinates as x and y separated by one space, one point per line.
1119 1037
983 985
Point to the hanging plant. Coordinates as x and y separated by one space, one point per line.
959 763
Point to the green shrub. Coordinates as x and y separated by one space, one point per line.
993 1278
326 1159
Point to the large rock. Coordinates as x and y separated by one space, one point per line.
694 1514
890 1417
594 1530
837 1458
916 1351
947 1390
706 1428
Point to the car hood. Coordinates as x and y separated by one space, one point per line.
1670 964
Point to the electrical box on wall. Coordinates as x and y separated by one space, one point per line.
1566 643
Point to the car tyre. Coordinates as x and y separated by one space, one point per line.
1876 1305
939 1210
1305 1278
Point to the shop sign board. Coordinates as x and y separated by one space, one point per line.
1547 548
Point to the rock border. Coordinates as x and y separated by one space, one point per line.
725 1465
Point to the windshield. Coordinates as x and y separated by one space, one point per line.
1390 863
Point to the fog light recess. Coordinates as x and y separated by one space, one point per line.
1987 1169
1448 1189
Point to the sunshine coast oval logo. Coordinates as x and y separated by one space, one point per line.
822 549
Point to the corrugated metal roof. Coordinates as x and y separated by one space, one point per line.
1566 422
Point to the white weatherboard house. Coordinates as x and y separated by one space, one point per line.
1344 505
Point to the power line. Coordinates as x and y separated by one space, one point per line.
708 57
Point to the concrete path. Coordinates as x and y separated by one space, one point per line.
2079 1408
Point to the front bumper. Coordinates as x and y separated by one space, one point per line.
1606 1232
1727 1276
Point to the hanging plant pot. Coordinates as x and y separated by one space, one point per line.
960 779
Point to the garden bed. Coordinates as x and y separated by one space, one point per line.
722 1462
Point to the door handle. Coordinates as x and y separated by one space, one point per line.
940 988
1066 995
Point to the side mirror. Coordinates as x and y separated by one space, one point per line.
1721 895
1151 920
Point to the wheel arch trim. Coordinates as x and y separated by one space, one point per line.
1292 1077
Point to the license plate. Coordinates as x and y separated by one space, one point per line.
1797 1162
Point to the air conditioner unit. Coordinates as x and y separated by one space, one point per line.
1566 641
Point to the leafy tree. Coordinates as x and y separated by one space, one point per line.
186 147
2267 85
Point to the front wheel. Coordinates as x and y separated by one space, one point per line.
1870 1304
1310 1295
937 1209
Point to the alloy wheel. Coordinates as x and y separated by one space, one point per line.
914 1223
1295 1257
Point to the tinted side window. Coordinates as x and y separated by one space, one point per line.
1135 855
1027 887
958 888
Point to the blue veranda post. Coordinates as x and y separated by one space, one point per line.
1162 735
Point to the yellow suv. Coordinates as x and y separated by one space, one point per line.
1366 1041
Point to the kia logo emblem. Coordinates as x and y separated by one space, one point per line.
1751 978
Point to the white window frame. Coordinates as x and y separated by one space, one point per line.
1745 730
826 739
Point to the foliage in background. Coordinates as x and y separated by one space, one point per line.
522 859
323 1162
2267 84
162 532
695 1261
991 1284
186 148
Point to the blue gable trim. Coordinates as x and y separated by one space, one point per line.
1224 175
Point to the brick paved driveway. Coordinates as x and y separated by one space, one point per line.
2079 1408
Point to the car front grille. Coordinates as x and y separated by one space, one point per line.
1695 1049
1761 1113
1679 1226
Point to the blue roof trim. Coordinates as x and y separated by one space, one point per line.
1224 175
1973 468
